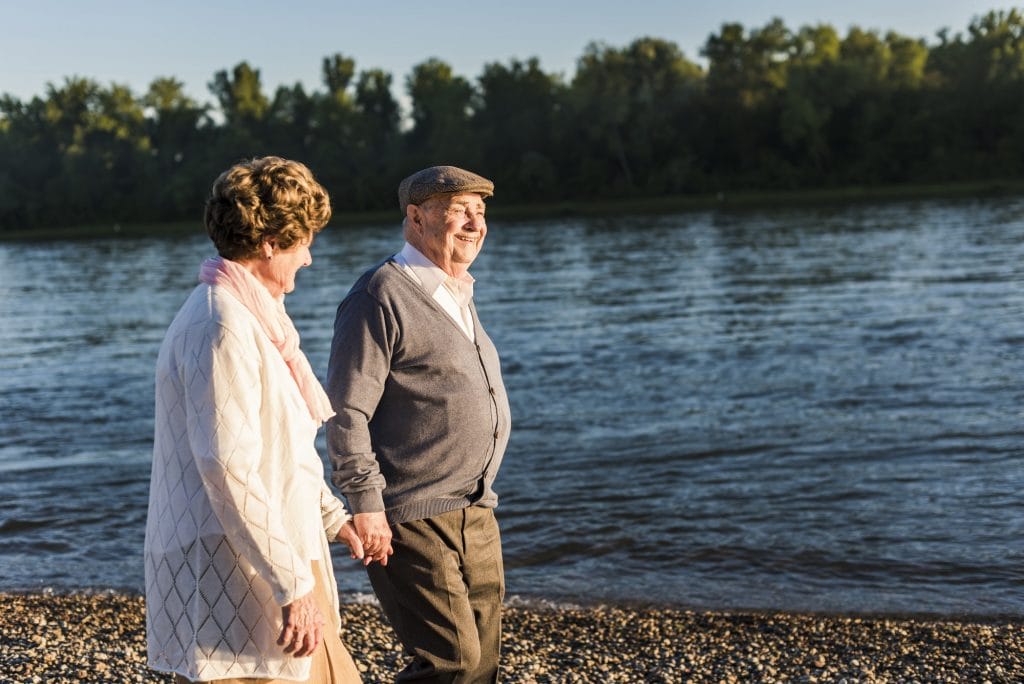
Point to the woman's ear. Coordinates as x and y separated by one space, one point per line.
267 249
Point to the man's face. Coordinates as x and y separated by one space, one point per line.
451 230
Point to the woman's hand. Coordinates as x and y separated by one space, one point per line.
303 626
348 535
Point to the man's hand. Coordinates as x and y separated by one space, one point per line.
375 533
348 535
303 626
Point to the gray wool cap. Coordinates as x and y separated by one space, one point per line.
436 180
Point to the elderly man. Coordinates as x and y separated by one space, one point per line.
422 423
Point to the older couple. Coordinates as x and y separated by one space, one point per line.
239 581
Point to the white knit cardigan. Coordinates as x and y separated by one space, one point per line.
238 504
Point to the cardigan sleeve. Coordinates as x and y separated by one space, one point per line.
359 365
223 404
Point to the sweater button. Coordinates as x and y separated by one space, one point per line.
492 391
495 434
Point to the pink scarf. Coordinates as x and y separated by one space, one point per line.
275 321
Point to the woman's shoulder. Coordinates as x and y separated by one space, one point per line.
217 312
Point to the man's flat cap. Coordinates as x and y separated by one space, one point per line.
436 180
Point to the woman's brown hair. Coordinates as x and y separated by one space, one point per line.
269 198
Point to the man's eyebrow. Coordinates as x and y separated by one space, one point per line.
468 203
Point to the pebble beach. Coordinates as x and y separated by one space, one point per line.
101 638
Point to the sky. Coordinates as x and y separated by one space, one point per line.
132 42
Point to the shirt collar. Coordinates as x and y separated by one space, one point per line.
430 274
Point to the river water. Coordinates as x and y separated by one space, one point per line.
813 410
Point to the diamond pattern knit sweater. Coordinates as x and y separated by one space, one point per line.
238 504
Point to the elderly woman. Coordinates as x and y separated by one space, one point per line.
239 582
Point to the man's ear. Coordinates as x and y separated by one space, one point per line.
414 215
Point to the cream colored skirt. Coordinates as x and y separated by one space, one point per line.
331 664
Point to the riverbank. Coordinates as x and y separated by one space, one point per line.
582 208
91 638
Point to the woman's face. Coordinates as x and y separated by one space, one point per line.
278 271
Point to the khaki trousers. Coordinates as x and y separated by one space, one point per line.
331 662
442 592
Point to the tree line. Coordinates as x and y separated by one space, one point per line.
771 109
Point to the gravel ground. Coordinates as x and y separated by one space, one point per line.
101 638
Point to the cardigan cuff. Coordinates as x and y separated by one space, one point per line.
368 501
334 523
304 584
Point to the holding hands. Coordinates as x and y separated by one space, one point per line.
369 538
375 533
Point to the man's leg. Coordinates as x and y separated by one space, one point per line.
484 575
441 591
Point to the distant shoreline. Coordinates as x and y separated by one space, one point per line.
68 638
583 208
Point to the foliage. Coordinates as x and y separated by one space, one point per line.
771 108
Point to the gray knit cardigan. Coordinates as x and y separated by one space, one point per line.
422 415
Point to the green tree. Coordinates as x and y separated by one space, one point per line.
378 138
775 109
635 113
338 71
747 78
179 130
807 104
749 67
863 103
979 96
240 95
441 109
519 125
244 106
101 142
291 122
379 110
335 145
30 165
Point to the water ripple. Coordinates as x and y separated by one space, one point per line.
814 409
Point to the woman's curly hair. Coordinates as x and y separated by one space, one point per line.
269 198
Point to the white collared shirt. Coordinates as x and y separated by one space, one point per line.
440 286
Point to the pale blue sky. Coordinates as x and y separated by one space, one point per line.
133 41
